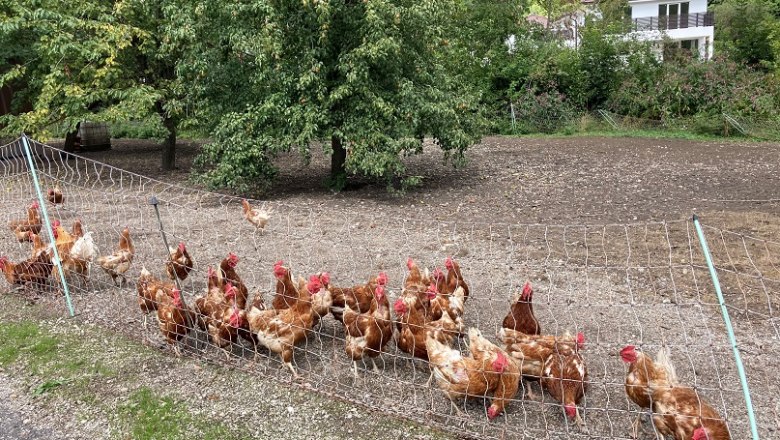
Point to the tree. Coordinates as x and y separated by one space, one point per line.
364 80
555 9
744 29
92 59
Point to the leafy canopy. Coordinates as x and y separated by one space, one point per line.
90 59
373 77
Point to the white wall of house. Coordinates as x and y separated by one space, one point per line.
649 8
704 35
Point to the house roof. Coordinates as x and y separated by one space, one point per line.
536 18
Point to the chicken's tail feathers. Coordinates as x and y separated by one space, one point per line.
663 359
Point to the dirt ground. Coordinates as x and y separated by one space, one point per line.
572 180
599 225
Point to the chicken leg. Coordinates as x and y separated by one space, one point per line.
376 369
635 426
296 376
579 422
457 409
529 391
355 369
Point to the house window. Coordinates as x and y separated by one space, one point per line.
690 44
673 15
680 49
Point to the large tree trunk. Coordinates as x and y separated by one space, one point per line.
169 144
338 172
70 139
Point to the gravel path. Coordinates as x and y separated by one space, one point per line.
20 418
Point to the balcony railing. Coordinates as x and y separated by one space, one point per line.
667 22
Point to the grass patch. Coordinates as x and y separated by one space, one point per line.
58 362
24 338
150 416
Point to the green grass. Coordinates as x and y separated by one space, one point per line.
75 367
24 339
153 417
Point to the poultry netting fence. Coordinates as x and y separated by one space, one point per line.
644 284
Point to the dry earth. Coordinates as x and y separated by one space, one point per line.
598 224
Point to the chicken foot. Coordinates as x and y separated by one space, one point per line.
296 377
457 409
579 422
529 391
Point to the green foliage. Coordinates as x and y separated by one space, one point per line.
147 129
90 59
747 31
376 75
688 88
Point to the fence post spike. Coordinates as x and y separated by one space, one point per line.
47 223
729 329
154 202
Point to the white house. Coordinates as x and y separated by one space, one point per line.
686 24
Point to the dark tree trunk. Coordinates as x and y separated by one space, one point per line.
169 145
338 172
70 139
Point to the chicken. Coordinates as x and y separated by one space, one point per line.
455 278
228 272
84 248
180 263
65 242
368 332
521 314
286 292
488 370
208 304
359 297
423 288
147 287
258 217
415 328
37 245
644 373
21 228
55 195
33 272
83 251
174 317
280 330
680 412
532 351
118 263
77 230
453 304
565 377
226 320
414 283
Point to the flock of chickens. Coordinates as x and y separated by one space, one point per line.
428 319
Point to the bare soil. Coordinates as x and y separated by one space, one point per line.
570 180
599 225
